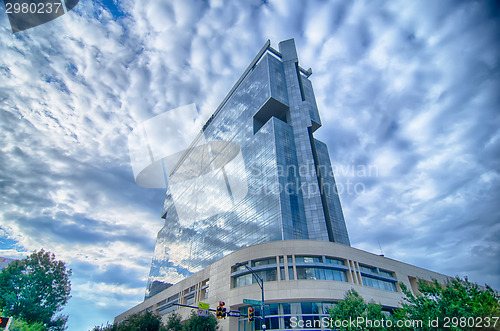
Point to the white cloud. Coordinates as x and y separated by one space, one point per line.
410 88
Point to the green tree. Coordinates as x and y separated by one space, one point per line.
200 323
20 325
459 304
146 321
108 327
462 303
36 289
353 309
174 322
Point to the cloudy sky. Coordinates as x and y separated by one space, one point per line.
408 89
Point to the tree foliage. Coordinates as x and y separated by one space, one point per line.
20 325
174 322
459 304
457 301
353 308
200 323
148 321
36 289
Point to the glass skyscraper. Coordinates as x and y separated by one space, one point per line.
254 174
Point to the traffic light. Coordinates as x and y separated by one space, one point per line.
4 321
223 309
220 312
251 314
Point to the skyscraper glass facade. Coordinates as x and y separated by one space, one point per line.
254 174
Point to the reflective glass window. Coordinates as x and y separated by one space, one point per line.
379 284
385 273
295 308
243 280
268 261
240 267
287 322
317 308
286 308
331 260
321 274
308 259
327 306
365 268
248 279
273 309
190 300
273 323
306 307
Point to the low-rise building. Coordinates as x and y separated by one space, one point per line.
303 279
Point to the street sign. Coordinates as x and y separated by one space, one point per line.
252 302
203 312
203 305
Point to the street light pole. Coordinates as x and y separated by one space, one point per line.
260 281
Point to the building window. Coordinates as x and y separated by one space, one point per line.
290 273
308 259
167 309
268 275
327 306
169 306
269 261
306 273
243 280
365 268
331 260
379 283
287 323
271 309
248 279
278 315
190 300
306 307
376 271
286 308
205 287
321 274
385 273
273 323
241 267
173 298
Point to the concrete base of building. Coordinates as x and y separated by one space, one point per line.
303 279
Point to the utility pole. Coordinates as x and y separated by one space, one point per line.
260 281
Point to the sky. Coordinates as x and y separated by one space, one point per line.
408 94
